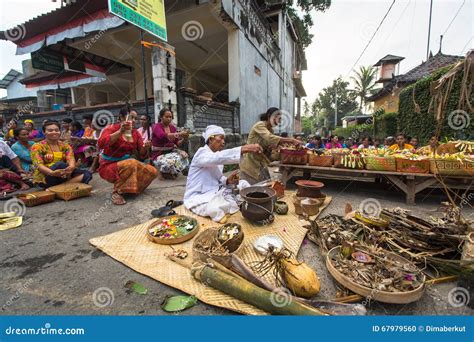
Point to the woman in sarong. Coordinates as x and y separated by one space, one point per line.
118 143
166 156
53 160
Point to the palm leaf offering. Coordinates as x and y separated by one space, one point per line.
435 241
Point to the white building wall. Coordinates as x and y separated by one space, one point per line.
273 86
17 90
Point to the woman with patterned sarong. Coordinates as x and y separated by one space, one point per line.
166 156
118 143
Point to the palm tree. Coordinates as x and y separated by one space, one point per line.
364 81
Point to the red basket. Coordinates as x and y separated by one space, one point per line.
294 157
413 166
317 160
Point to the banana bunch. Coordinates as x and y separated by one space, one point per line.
352 161
464 146
10 220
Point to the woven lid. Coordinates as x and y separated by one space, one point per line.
70 187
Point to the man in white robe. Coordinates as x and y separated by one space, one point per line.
207 193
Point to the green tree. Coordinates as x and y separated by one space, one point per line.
303 21
364 82
346 101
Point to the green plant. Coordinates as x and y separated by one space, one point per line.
364 82
356 131
422 123
386 125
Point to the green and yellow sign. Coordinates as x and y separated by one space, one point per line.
148 15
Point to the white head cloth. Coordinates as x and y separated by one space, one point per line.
212 130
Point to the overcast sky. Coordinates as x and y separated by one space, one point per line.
341 34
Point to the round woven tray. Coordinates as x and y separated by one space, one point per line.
172 241
373 294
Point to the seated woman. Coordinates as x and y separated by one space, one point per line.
10 136
206 194
333 142
145 128
118 142
34 134
22 148
11 171
86 144
54 161
166 156
366 143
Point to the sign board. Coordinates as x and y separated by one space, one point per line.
47 61
148 15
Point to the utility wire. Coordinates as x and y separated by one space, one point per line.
465 46
370 41
459 10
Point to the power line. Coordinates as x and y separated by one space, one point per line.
459 10
463 49
370 41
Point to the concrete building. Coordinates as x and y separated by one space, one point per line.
225 62
387 97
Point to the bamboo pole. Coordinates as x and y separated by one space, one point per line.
249 293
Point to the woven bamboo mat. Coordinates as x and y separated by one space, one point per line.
131 247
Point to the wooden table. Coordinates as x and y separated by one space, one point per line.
409 183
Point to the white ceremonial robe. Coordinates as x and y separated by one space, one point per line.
206 194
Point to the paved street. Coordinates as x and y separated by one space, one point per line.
48 266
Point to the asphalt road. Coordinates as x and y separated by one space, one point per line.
48 267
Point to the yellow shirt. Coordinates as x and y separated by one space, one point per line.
395 147
259 134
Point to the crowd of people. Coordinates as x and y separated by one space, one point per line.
397 143
131 158
72 151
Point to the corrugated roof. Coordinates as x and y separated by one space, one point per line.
52 19
9 78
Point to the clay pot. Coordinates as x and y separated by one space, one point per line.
307 188
258 203
281 208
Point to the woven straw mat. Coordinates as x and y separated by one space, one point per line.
132 248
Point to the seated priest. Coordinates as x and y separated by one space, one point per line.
208 191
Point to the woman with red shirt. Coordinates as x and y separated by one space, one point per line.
118 143
166 156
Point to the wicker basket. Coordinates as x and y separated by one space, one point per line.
452 167
71 191
33 199
380 163
307 205
338 161
205 237
294 157
413 166
317 160
381 296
